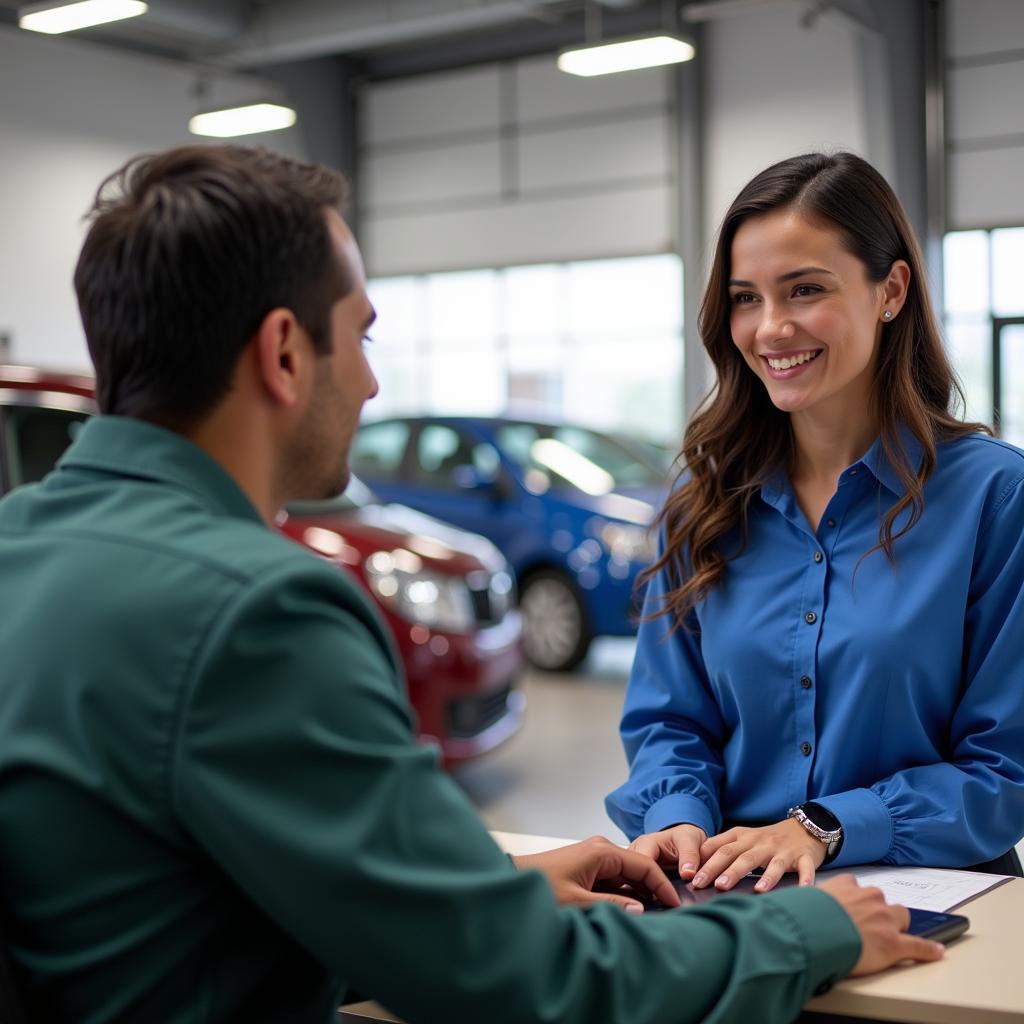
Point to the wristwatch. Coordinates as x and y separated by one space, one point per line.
823 825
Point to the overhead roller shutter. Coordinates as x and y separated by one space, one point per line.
515 163
985 113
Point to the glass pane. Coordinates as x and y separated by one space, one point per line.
397 301
625 295
1011 341
533 303
965 273
36 438
399 381
641 394
970 350
465 383
1008 272
377 450
461 307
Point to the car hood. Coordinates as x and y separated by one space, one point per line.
638 505
354 534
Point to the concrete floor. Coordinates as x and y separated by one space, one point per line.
551 778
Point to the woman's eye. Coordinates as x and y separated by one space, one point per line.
803 290
742 298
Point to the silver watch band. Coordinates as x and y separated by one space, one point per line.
831 839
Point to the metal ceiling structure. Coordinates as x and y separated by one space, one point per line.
386 37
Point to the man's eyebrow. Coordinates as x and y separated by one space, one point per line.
737 283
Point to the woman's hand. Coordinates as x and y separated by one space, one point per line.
596 870
677 847
784 846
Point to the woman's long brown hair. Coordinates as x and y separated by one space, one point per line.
738 438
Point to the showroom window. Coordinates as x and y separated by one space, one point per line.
595 341
984 319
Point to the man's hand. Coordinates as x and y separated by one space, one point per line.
595 871
882 927
784 846
677 847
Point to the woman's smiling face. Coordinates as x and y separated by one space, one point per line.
804 314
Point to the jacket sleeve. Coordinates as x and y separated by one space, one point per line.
296 768
671 729
970 807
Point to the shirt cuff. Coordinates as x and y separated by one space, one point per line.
679 809
867 826
830 938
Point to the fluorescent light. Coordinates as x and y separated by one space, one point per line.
69 17
625 55
244 120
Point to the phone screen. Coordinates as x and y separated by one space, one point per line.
937 927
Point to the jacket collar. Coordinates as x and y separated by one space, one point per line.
126 447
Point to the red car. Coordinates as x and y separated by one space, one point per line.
446 594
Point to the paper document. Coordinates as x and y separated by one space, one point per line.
938 889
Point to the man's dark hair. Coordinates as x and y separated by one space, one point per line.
187 252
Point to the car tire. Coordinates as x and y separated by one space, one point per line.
556 635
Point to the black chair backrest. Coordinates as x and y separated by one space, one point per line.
12 1008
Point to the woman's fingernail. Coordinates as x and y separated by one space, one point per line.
687 867
722 880
634 908
699 880
760 886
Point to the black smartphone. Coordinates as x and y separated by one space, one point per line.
938 927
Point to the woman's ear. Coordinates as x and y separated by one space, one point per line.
894 290
281 355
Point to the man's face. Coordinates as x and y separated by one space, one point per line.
343 382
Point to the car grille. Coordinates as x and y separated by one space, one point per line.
470 716
491 596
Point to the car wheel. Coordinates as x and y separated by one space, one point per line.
555 632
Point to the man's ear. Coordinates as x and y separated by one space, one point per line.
282 350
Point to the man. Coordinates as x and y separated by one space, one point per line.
212 803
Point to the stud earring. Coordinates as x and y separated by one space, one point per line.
888 314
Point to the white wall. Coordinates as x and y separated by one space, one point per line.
775 89
71 113
985 104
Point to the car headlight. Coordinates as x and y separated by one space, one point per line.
628 543
427 598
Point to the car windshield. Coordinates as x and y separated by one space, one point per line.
582 458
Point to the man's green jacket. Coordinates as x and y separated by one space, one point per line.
213 806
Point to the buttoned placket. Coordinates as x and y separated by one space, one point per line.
814 605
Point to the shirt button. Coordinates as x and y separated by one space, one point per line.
810 618
805 749
831 522
818 556
854 472
805 682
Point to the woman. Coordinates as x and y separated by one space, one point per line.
831 664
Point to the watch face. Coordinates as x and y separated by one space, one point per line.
821 817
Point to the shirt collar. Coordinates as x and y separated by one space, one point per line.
123 446
884 471
777 491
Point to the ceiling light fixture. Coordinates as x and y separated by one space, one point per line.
625 55
53 18
244 119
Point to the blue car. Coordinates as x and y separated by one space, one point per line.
569 508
